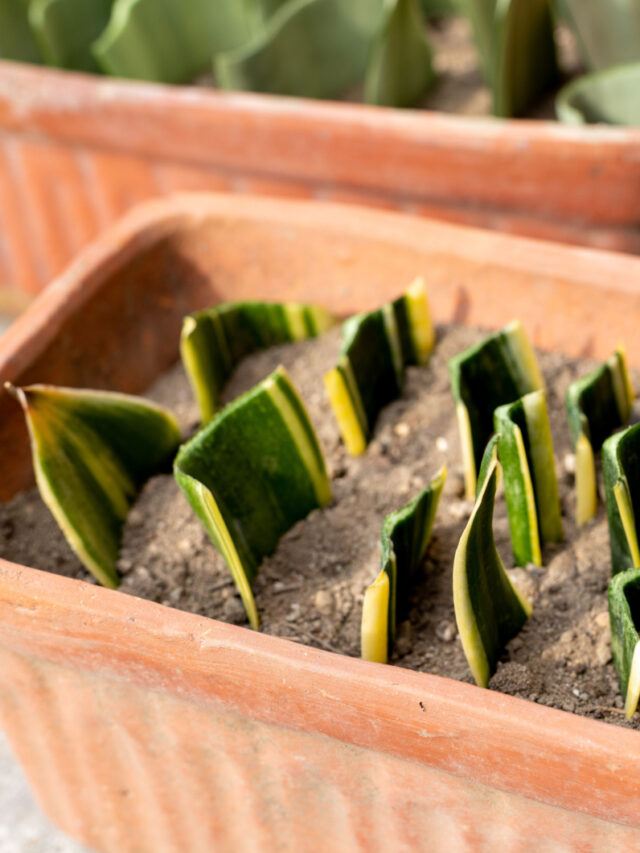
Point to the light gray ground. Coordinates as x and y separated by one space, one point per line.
23 827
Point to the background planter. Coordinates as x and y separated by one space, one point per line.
145 728
76 152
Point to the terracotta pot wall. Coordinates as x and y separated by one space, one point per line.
145 728
76 152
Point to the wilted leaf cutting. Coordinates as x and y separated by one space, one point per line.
405 538
92 451
376 346
255 470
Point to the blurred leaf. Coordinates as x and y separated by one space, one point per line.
170 41
489 610
498 370
66 29
608 33
251 474
16 39
621 473
376 346
609 97
309 48
399 72
92 451
525 451
405 538
516 47
597 405
439 8
624 615
215 340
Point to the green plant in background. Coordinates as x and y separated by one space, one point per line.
624 615
489 610
66 29
608 36
315 48
516 48
498 370
16 38
621 472
376 346
255 470
215 340
92 451
399 70
597 405
609 97
169 41
607 32
312 48
525 450
405 538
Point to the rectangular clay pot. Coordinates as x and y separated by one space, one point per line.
77 151
143 728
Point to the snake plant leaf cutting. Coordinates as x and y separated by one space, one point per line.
489 610
609 96
66 29
16 39
498 370
215 340
621 474
597 405
399 72
405 537
516 47
376 346
170 41
624 614
607 33
251 474
92 451
525 450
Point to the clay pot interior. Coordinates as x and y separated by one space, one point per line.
112 321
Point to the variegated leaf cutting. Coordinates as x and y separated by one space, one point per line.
405 538
597 405
489 610
215 340
92 451
525 450
498 370
251 474
624 614
376 346
621 473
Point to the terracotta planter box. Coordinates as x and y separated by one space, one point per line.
77 151
143 728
